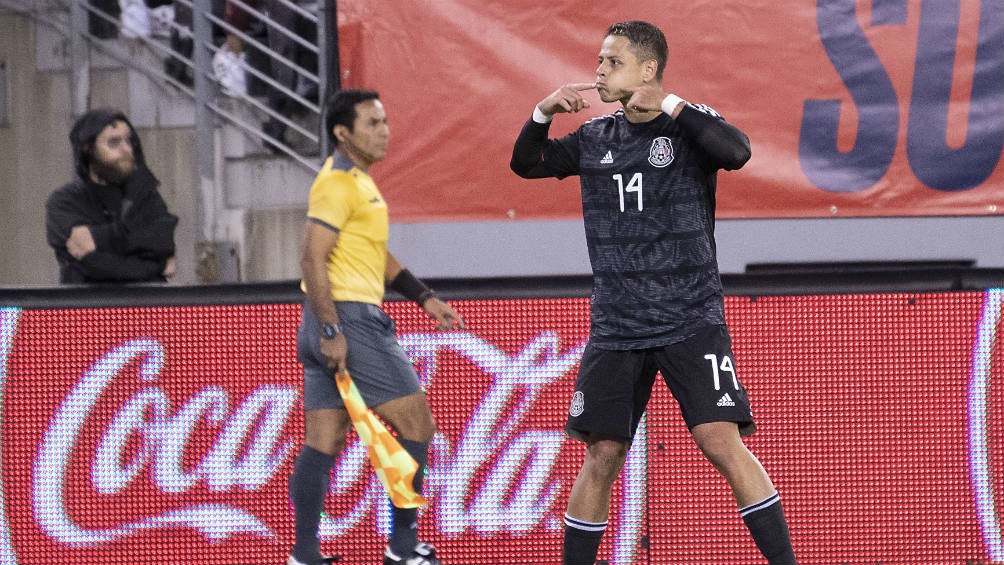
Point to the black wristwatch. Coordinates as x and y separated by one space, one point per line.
329 331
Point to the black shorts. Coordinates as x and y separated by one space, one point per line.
613 387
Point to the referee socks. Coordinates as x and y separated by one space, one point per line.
766 523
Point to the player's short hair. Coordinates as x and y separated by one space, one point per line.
341 109
647 42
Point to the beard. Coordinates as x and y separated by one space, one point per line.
114 172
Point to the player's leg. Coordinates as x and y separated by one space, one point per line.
721 444
611 391
759 503
589 502
701 374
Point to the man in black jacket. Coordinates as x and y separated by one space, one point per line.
109 224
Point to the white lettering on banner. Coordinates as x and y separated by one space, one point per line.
523 460
980 424
9 318
489 431
147 434
162 439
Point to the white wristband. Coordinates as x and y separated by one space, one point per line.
540 117
670 102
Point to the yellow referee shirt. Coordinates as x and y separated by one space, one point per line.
345 199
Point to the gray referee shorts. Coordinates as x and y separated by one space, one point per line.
376 361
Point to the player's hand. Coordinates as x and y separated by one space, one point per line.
568 98
81 242
445 316
647 98
334 350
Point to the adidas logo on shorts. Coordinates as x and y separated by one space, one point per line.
726 400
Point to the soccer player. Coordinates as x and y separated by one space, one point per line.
345 266
647 174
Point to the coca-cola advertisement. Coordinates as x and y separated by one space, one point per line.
167 435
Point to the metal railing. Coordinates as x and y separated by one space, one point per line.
246 111
205 89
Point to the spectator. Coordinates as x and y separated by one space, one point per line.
102 19
182 41
182 44
282 13
109 224
230 60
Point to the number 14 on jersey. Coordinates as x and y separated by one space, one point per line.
633 185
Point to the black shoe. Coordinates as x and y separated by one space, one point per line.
424 554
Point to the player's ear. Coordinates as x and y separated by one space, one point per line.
649 69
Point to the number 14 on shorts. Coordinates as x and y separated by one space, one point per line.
724 366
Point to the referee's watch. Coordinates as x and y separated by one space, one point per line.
329 331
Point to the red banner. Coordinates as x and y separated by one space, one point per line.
166 435
854 108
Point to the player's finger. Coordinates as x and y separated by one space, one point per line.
579 86
575 102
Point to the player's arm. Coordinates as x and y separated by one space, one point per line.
319 241
724 145
528 152
535 156
406 284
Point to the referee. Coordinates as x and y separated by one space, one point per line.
648 173
345 266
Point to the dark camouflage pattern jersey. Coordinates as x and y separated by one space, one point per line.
648 204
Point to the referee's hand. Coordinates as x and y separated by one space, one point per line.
335 351
445 316
568 98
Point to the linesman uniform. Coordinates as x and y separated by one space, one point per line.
345 199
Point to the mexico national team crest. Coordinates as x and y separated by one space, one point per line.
661 153
578 404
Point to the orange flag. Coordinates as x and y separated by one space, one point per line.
395 467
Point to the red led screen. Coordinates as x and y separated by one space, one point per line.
166 435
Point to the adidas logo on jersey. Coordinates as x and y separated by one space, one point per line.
726 400
707 110
607 159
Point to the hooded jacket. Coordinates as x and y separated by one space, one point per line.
132 228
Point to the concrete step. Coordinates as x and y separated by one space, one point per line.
266 182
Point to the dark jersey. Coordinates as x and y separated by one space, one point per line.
648 203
